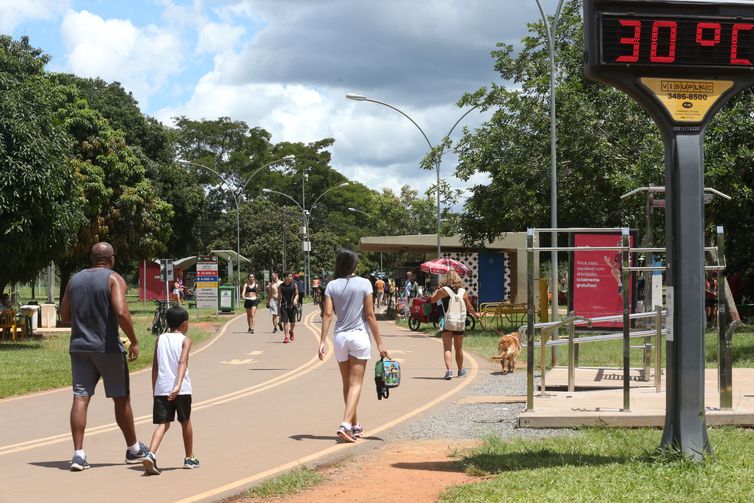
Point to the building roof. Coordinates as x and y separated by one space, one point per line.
425 243
228 255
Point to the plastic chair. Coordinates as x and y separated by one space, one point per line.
8 322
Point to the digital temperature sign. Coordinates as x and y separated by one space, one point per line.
674 41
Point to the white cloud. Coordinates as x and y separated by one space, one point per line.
14 13
219 37
142 59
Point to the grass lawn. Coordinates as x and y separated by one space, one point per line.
39 364
287 484
605 354
606 465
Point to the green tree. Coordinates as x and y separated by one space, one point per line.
40 199
607 145
122 206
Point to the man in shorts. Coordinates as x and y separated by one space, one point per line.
288 298
273 290
95 305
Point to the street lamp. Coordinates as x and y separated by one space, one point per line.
306 215
438 157
550 32
236 192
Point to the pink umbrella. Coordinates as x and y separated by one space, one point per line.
443 265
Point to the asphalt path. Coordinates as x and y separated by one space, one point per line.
260 407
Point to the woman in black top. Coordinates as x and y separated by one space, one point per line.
250 301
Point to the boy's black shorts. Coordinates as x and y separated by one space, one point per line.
163 410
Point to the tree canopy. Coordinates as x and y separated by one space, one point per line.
607 145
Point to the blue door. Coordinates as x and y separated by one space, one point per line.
491 277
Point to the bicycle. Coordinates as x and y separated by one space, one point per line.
159 323
299 310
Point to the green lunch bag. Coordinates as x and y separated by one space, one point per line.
387 374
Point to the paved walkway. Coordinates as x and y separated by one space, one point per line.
260 407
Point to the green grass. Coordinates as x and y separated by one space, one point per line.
607 465
610 353
287 484
39 364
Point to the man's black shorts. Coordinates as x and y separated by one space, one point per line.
288 314
163 410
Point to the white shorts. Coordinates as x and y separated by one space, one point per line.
356 343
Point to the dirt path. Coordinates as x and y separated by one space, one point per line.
419 469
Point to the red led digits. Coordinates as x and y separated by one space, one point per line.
673 36
705 42
734 59
633 41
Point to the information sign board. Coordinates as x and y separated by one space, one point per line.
206 281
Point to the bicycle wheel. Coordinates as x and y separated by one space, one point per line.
414 323
155 328
470 322
299 312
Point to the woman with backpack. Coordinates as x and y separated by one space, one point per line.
455 304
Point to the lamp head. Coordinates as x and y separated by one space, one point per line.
183 161
266 190
356 97
289 158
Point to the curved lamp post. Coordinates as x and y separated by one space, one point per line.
550 32
236 192
360 97
306 215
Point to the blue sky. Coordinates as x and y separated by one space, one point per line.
286 65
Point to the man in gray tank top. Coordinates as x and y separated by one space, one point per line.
95 304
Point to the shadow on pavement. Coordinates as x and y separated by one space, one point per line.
66 465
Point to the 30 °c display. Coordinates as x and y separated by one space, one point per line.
677 41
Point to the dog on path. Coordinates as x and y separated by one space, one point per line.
508 348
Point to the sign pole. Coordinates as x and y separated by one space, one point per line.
685 427
681 60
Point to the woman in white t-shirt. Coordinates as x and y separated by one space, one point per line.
350 297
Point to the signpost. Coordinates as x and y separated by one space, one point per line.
681 60
206 281
166 275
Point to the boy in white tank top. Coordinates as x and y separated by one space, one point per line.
172 388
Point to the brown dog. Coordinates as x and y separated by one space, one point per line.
508 349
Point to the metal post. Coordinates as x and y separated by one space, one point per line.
530 320
238 242
550 32
571 353
685 427
725 339
658 348
51 283
625 243
542 362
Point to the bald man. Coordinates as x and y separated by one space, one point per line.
95 305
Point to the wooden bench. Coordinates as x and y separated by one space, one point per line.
492 314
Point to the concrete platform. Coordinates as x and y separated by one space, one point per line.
603 407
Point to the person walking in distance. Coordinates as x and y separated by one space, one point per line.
450 289
288 297
273 292
379 286
250 301
95 304
351 298
171 387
